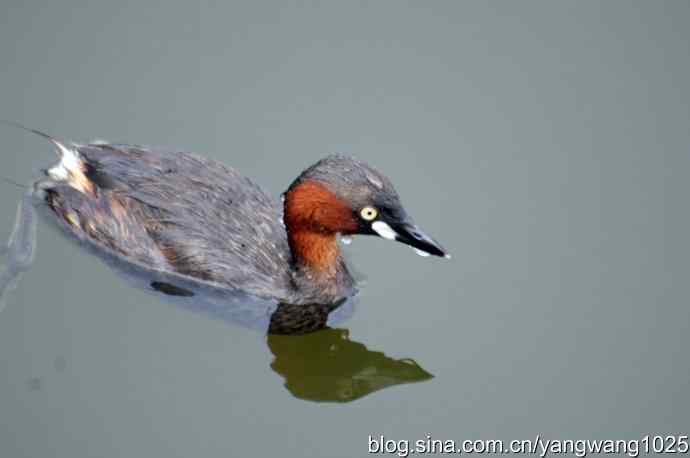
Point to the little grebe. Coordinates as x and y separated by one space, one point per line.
180 213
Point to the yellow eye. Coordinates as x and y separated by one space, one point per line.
369 213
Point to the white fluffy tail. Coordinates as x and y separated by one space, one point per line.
71 167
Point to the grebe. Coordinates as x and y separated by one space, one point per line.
196 219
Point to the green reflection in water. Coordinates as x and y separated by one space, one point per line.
327 366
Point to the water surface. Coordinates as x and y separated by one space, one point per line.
546 145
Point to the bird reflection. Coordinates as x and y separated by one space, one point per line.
317 362
328 366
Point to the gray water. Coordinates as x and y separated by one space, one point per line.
545 144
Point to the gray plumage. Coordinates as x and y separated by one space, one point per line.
179 213
187 224
182 213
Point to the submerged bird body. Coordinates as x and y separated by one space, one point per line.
194 218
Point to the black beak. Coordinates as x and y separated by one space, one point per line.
410 234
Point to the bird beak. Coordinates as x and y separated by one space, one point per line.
410 234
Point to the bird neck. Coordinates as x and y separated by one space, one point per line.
313 216
317 251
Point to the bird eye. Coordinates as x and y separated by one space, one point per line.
368 213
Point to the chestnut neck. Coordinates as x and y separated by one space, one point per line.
313 216
317 251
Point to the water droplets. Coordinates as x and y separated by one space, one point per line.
423 254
